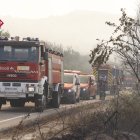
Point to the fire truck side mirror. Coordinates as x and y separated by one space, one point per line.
45 56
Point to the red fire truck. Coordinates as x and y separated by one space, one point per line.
29 71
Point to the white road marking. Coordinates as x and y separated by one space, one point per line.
11 119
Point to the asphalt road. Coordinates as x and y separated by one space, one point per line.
8 112
10 117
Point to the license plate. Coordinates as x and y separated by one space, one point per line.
15 95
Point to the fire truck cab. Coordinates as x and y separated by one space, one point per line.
29 71
71 87
88 86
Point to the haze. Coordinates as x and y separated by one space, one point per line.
75 23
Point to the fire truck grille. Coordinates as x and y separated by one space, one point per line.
6 84
13 84
16 84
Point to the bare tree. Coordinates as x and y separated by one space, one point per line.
124 41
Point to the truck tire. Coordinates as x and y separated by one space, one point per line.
88 95
12 103
94 97
78 99
41 100
40 103
102 95
17 103
73 99
0 105
56 98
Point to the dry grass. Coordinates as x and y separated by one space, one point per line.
116 119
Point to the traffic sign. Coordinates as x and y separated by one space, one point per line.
1 23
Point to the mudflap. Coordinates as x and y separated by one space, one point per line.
56 98
2 101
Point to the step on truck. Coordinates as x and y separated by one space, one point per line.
29 71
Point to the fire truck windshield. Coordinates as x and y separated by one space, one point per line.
19 53
68 78
83 79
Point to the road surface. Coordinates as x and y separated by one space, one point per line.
10 117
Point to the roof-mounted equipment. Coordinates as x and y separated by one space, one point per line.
30 39
3 38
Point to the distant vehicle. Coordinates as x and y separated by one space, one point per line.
29 71
88 87
130 82
71 87
111 74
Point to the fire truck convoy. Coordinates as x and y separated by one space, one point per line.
29 71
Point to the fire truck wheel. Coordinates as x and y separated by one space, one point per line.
73 99
78 99
40 103
94 97
88 95
0 105
56 98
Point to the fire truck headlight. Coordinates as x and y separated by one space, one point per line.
84 89
31 89
70 90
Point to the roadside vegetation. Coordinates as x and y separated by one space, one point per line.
117 120
114 119
123 43
4 33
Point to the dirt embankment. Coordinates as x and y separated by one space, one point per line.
118 119
45 127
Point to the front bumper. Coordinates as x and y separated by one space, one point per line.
18 90
68 95
83 92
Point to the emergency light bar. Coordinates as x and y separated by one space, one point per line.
3 38
30 39
54 52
